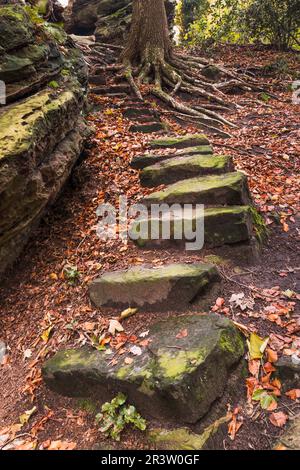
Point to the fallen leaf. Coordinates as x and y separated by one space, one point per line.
257 346
27 353
254 366
24 418
239 300
128 360
182 334
293 394
114 326
234 424
272 356
128 313
278 419
46 334
62 445
135 350
88 326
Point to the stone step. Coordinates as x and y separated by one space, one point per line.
134 112
180 142
176 378
222 226
180 168
146 119
224 189
173 285
109 90
148 128
97 80
141 161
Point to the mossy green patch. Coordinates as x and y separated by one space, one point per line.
24 124
259 225
174 365
183 438
203 189
180 142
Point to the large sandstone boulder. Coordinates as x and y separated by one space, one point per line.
109 20
41 127
176 376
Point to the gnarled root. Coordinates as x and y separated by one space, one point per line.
180 73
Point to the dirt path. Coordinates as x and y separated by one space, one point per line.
41 312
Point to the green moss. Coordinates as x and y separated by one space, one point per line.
216 260
65 360
24 124
193 187
174 365
53 84
56 32
87 405
231 342
177 142
12 12
260 227
183 438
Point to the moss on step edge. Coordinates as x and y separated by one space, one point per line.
183 438
261 230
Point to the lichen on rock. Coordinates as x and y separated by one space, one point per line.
178 383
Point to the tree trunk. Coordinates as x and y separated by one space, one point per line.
149 40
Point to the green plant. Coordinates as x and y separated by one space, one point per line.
71 274
274 21
34 14
115 415
53 84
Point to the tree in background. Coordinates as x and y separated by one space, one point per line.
276 22
150 57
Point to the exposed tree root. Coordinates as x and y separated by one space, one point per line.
170 77
181 73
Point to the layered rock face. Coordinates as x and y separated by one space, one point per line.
109 20
41 126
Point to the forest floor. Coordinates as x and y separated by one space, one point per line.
40 312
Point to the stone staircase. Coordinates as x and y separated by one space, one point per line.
144 119
197 176
176 376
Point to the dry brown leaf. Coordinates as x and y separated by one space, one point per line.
278 419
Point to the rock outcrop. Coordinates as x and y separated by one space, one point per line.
41 126
109 20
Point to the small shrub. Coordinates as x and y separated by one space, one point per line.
116 415
71 274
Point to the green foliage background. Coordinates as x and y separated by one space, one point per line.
275 22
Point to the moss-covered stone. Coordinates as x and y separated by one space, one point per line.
167 287
141 161
183 438
175 169
40 136
223 189
180 142
36 121
148 128
15 26
222 225
176 378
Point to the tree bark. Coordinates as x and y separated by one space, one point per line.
149 39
